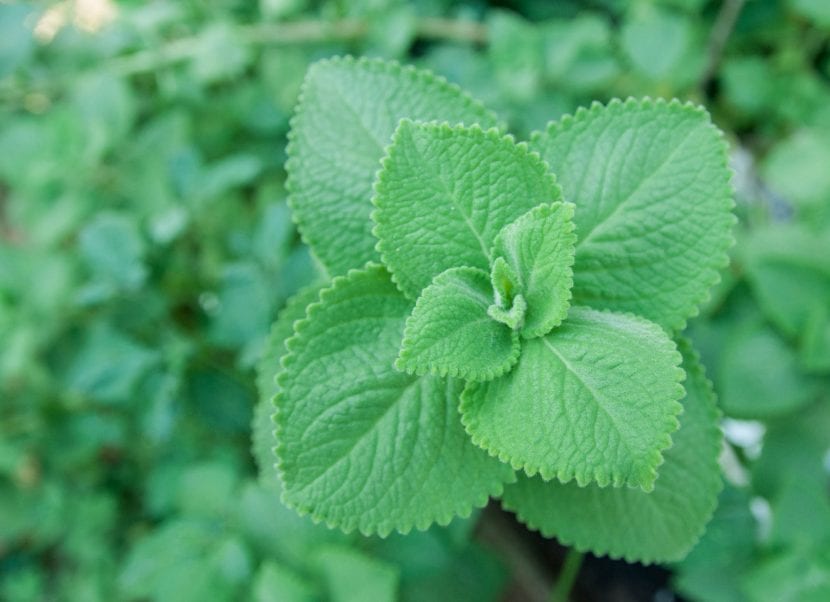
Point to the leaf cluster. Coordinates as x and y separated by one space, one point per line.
414 387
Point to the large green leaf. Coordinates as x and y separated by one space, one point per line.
629 523
347 112
539 247
263 440
651 187
443 195
594 400
450 334
360 444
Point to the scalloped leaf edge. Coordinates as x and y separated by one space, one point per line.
598 476
406 363
385 528
379 186
713 272
697 371
376 65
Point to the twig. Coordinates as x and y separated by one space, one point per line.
494 530
567 576
295 33
721 30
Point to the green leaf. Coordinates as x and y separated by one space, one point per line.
661 45
796 167
347 112
759 375
539 247
443 195
788 267
351 576
790 575
362 445
275 583
263 440
595 400
651 186
725 550
450 333
628 523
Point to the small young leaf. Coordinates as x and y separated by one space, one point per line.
505 282
651 186
360 444
444 193
624 522
514 317
594 400
450 333
347 112
539 247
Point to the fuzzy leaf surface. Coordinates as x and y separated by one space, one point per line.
362 445
539 247
347 112
450 334
443 195
594 400
263 440
653 205
625 522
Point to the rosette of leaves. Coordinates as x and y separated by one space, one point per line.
492 329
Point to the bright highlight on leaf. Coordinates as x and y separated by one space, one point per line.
443 195
347 112
594 400
622 522
360 444
651 185
539 248
451 334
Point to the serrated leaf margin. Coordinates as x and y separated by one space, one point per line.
615 105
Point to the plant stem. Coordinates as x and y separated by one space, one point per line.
721 30
495 531
567 576
296 33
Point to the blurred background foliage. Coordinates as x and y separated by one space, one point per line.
146 247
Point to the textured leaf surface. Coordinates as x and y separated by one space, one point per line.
653 205
594 400
347 112
267 369
539 247
362 445
445 192
623 522
450 334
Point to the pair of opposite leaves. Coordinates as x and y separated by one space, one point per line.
362 445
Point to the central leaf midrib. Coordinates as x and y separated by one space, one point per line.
451 196
616 209
597 397
372 428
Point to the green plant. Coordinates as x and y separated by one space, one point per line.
542 307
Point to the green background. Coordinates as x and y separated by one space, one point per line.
146 247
